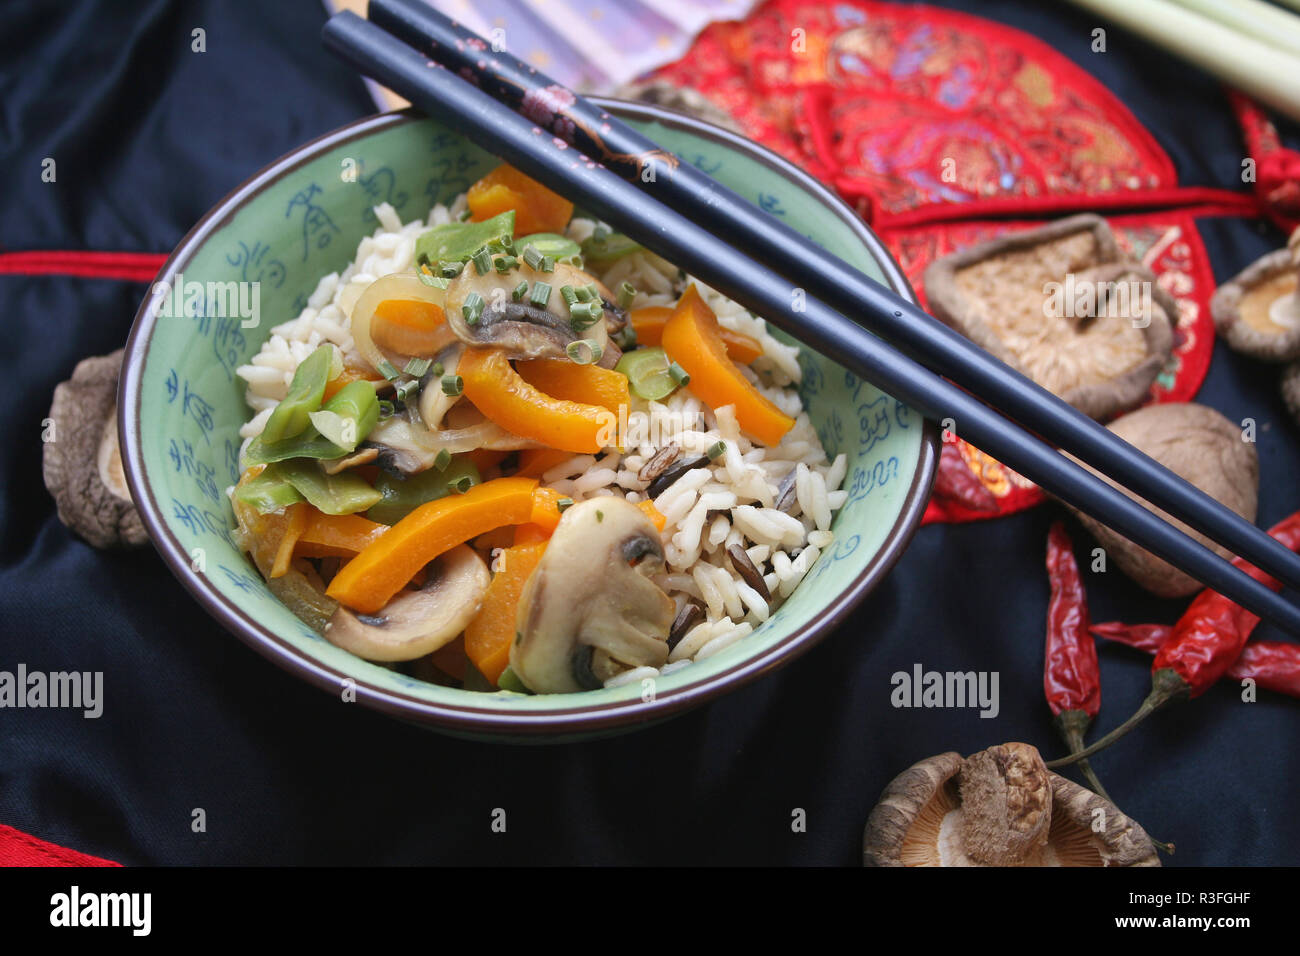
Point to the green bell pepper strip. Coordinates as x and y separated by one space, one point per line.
458 241
342 494
601 251
401 496
355 401
550 244
268 491
648 373
290 417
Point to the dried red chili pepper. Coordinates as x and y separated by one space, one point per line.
1071 677
1204 644
954 481
1273 665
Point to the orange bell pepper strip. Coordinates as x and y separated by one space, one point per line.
450 659
349 375
648 322
503 396
491 632
535 462
336 536
537 209
587 384
693 340
546 508
382 568
531 533
654 514
295 522
411 327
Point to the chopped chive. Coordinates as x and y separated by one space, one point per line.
386 409
452 385
716 450
678 374
593 291
464 216
583 293
601 231
583 315
436 371
407 389
505 263
418 366
520 290
564 504
547 264
450 270
502 244
626 293
473 308
462 484
574 260
568 295
388 370
532 256
442 460
584 351
625 338
483 260
541 294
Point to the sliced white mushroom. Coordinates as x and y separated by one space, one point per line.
524 330
416 623
590 609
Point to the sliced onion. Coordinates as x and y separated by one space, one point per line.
423 445
401 286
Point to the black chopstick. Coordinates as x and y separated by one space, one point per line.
844 288
465 108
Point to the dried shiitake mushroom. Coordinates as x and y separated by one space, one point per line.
82 462
1196 443
999 807
1258 311
1060 304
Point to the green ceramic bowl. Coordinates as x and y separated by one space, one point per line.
302 217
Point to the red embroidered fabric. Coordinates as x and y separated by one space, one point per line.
933 122
21 849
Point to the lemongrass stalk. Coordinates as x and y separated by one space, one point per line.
1254 18
1257 69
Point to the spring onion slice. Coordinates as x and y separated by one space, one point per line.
647 373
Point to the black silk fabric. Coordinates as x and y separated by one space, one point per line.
148 135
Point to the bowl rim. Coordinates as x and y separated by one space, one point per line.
489 720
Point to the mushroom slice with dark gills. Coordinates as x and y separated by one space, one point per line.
522 327
590 609
416 623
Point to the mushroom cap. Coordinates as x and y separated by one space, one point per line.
1006 804
589 608
995 294
1258 311
1202 446
416 623
523 330
925 814
82 463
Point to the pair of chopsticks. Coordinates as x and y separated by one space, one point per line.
699 225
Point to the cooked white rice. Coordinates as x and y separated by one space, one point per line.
708 509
